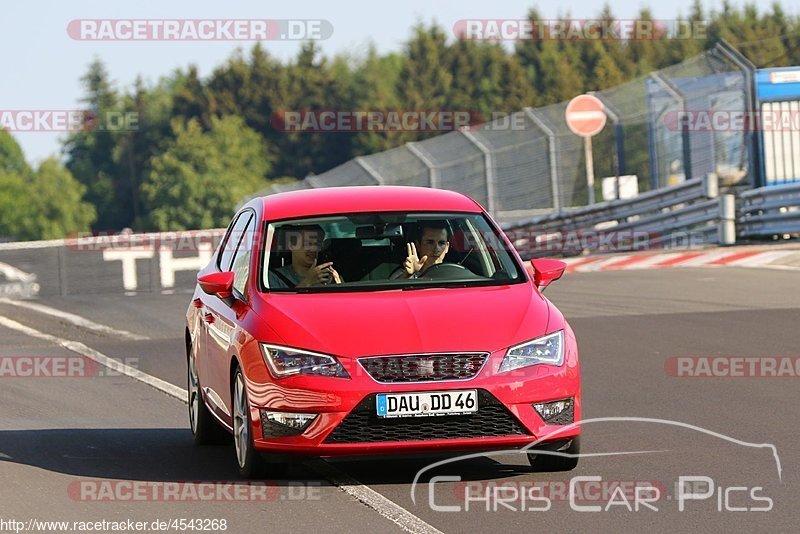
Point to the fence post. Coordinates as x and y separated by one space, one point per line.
491 200
551 145
711 185
727 220
370 170
755 169
433 174
673 90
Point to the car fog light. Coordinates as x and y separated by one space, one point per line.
283 424
560 412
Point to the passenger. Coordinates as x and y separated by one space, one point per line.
304 242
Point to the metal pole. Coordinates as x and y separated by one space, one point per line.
433 175
488 166
757 177
361 162
685 133
618 156
552 157
587 149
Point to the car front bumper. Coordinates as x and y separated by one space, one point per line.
509 395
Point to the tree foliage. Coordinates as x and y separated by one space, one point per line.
201 176
202 143
45 203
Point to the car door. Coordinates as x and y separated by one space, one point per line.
221 320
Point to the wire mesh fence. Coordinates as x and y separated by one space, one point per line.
530 163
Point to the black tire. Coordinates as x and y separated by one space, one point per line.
251 463
205 428
550 463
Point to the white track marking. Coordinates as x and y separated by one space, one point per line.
602 264
385 507
5 456
653 261
99 357
364 494
14 274
760 260
77 320
705 259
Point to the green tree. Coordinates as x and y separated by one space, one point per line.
375 83
11 157
90 154
153 108
425 77
311 85
191 99
517 91
45 204
198 180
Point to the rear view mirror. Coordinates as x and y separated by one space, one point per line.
547 270
217 284
379 231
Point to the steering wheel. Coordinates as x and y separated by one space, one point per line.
445 270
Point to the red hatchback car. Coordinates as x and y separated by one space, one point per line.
373 320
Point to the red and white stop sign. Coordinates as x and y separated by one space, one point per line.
585 115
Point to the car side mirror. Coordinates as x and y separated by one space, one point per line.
547 270
217 284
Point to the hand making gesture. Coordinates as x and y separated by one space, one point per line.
413 264
320 275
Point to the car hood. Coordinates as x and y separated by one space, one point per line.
401 322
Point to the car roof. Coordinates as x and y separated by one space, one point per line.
361 199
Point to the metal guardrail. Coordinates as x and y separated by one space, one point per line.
769 211
688 214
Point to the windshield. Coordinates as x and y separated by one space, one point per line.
381 251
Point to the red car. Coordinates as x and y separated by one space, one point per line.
373 320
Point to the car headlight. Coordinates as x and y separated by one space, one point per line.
548 350
286 361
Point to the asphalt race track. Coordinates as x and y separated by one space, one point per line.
70 447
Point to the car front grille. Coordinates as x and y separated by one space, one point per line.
362 424
424 367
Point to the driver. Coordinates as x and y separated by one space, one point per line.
304 242
430 249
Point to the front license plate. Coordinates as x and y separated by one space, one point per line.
427 404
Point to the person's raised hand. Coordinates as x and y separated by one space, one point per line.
413 263
318 274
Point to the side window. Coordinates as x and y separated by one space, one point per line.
241 259
231 241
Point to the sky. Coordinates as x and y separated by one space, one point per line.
42 65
